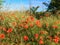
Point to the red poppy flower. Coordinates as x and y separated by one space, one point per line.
26 26
25 38
55 26
41 42
2 36
9 30
36 36
38 23
32 18
56 39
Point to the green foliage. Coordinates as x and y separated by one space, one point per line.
34 11
53 6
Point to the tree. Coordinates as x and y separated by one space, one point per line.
53 6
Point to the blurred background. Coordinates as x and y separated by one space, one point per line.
20 5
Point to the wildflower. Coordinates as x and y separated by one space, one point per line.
38 23
26 26
4 29
14 24
25 38
31 25
36 36
41 41
21 25
2 36
32 18
56 39
42 32
55 26
9 30
28 19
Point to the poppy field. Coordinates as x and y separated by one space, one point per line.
18 28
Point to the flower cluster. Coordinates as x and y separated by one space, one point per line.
29 30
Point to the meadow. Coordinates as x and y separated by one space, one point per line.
17 28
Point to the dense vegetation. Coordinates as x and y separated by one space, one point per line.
31 27
18 28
